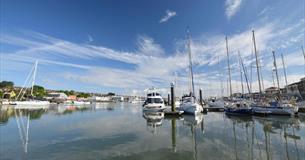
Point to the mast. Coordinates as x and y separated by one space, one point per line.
251 69
241 76
284 67
244 69
229 69
221 80
273 77
303 56
257 64
190 65
34 76
275 66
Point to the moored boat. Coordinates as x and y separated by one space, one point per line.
190 106
238 108
154 101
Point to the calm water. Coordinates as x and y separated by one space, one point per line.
123 131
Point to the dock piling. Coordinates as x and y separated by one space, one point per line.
173 97
200 96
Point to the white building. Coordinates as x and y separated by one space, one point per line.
55 95
100 99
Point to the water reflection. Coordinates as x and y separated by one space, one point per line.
276 128
125 132
195 122
153 120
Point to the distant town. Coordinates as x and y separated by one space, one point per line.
8 91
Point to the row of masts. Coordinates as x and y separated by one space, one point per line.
243 71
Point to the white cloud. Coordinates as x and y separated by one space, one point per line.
152 66
169 14
147 46
232 6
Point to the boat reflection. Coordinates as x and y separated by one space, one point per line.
153 120
194 122
273 127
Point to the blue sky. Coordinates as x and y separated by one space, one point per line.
128 46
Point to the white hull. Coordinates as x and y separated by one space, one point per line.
137 102
191 108
30 103
154 107
276 110
77 103
216 104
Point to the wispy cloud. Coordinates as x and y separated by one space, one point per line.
169 14
152 65
232 6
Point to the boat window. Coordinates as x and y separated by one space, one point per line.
154 100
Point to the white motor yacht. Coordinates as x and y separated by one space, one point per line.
154 101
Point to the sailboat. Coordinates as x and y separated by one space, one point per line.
189 103
236 107
215 102
29 102
277 106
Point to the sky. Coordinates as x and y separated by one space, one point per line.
128 46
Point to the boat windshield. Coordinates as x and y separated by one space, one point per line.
153 94
154 100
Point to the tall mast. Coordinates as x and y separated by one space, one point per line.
257 64
284 67
34 76
251 69
275 66
221 80
229 69
244 69
273 77
303 54
241 76
190 64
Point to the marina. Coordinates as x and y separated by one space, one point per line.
152 80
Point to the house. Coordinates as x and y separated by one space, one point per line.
293 90
271 91
100 99
56 97
72 97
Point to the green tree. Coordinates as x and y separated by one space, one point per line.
83 95
6 84
111 94
39 91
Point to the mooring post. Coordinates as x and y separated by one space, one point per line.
173 97
200 96
168 99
